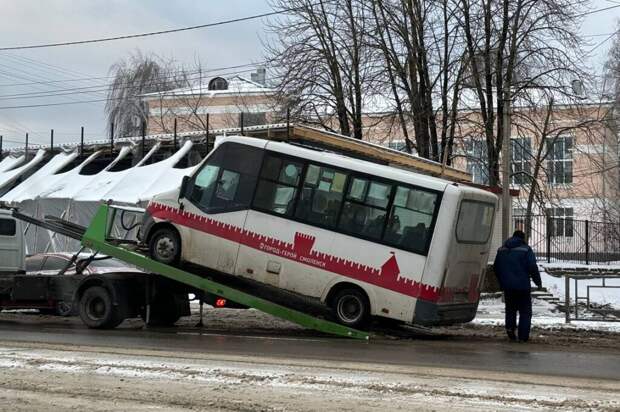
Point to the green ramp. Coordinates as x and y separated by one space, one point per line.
96 238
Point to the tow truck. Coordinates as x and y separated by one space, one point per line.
159 295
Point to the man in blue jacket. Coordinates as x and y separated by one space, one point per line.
515 264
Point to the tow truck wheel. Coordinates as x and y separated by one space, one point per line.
97 310
351 307
165 246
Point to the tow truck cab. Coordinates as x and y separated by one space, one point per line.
12 245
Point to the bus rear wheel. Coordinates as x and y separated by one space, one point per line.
351 307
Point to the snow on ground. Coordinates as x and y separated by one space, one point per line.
544 315
75 380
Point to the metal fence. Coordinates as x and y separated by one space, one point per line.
570 240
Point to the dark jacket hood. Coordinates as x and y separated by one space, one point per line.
514 242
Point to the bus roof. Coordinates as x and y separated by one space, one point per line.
339 160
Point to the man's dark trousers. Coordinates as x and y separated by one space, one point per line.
519 301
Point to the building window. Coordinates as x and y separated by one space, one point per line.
218 83
254 119
560 221
398 145
519 215
521 154
560 160
477 160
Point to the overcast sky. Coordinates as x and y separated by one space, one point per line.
43 21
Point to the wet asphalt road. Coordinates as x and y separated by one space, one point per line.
422 352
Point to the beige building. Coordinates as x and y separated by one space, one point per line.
578 178
216 103
575 158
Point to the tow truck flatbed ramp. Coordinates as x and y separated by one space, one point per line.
96 238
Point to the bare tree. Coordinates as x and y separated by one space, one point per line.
325 66
134 77
512 46
418 43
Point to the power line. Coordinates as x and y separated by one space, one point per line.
597 10
105 88
112 76
153 33
604 41
193 75
29 106
200 26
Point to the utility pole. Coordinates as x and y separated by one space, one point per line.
506 201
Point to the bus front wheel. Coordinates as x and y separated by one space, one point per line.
351 307
165 246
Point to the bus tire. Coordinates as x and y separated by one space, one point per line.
165 245
97 309
351 307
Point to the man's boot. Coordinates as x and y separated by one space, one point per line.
511 335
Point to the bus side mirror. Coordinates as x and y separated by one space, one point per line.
185 185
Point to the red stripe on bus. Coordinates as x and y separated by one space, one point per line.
301 250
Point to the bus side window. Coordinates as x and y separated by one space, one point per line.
227 181
278 184
321 196
411 218
365 207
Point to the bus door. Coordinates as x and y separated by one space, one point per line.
469 252
219 196
287 253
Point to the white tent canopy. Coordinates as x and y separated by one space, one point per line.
75 196
10 175
10 162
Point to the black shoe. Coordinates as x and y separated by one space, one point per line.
511 335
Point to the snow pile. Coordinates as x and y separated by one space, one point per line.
545 315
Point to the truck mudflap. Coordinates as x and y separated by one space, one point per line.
432 314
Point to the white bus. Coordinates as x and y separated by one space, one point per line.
366 239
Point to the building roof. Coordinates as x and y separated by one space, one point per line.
237 85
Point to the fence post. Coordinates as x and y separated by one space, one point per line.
142 144
548 239
567 297
111 138
0 147
26 148
288 123
174 144
241 121
207 133
82 141
587 242
52 141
